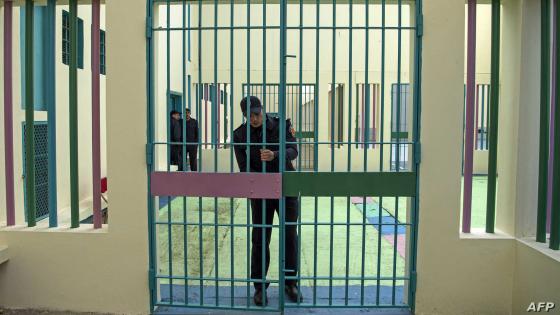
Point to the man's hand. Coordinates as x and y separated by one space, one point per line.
267 155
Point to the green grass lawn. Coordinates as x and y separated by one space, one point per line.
224 250
478 212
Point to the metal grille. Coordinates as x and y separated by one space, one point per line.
41 168
328 179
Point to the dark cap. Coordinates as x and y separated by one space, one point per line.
255 105
173 112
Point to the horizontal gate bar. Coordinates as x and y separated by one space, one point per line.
228 185
391 184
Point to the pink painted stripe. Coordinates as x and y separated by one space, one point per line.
236 185
360 200
218 104
363 131
401 243
469 125
374 109
95 108
206 87
8 114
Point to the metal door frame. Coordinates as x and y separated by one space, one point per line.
282 105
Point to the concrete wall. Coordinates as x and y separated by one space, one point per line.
62 134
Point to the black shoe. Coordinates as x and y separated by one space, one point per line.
293 293
260 298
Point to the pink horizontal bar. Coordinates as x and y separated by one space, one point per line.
231 185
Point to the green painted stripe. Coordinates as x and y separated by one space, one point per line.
399 135
402 184
305 134
73 88
555 212
29 117
493 120
544 116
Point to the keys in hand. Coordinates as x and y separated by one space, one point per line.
267 155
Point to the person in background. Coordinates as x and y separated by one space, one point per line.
191 137
266 151
176 135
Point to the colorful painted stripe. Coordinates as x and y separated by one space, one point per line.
8 114
96 108
238 185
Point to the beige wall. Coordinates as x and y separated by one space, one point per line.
62 134
536 276
106 271
455 275
103 271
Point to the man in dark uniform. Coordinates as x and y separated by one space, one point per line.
192 137
176 135
267 151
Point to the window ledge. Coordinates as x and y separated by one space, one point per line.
541 247
481 234
84 228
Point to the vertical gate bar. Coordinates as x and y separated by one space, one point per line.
168 89
552 120
300 122
189 35
468 159
494 119
189 97
216 146
316 146
29 116
183 98
199 104
282 110
74 183
399 101
96 114
399 88
349 139
333 98
416 165
51 101
555 214
365 127
248 147
231 235
263 99
8 114
183 148
382 138
152 261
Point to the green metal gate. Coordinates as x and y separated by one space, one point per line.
329 76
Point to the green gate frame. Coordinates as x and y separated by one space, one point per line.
319 183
